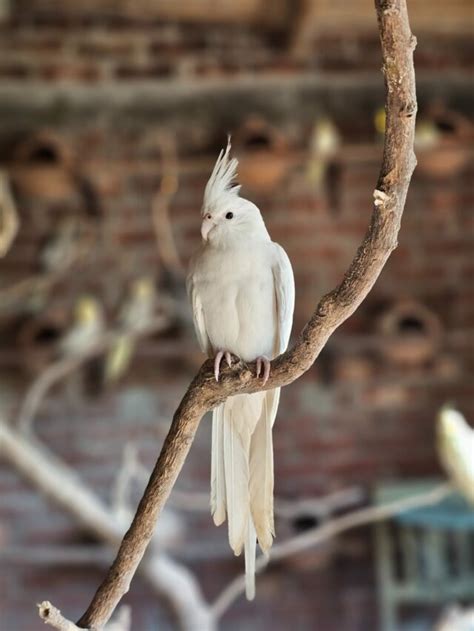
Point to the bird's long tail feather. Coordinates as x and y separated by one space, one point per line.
242 474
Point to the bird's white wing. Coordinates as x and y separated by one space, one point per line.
285 296
198 316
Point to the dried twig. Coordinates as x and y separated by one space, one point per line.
321 507
161 205
204 393
53 617
9 221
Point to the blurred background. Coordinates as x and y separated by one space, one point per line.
112 114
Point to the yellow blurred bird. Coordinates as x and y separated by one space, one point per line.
87 328
137 314
324 144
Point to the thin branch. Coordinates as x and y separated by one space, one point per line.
64 367
321 507
53 617
9 221
161 205
204 393
330 529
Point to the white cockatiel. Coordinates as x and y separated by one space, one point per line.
242 292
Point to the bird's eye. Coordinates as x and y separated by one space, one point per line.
208 216
229 215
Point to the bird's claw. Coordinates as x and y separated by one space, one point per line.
218 360
263 362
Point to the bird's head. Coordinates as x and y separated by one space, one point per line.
227 217
143 288
87 310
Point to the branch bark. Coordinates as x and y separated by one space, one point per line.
204 393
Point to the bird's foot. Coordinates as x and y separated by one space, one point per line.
218 360
263 363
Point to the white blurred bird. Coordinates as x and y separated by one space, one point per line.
456 450
87 328
242 292
60 249
137 313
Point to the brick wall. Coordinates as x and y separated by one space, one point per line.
95 92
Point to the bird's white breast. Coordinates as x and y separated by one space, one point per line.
236 289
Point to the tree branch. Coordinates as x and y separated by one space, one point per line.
204 393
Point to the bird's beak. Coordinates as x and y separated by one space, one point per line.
206 227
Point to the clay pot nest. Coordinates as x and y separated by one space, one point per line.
443 141
38 338
43 168
263 155
410 334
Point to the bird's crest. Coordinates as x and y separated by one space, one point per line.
221 182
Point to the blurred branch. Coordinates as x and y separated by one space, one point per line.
454 618
58 482
9 221
16 296
321 507
205 393
328 530
64 367
53 617
167 249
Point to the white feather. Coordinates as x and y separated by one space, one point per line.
261 471
218 497
221 181
250 552
236 472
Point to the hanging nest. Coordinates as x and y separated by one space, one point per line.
263 155
37 340
410 334
443 143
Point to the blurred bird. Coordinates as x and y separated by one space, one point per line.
242 293
427 134
60 249
456 450
86 330
380 122
325 141
137 314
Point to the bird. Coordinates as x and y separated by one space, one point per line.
79 341
137 313
456 449
86 330
60 249
242 292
